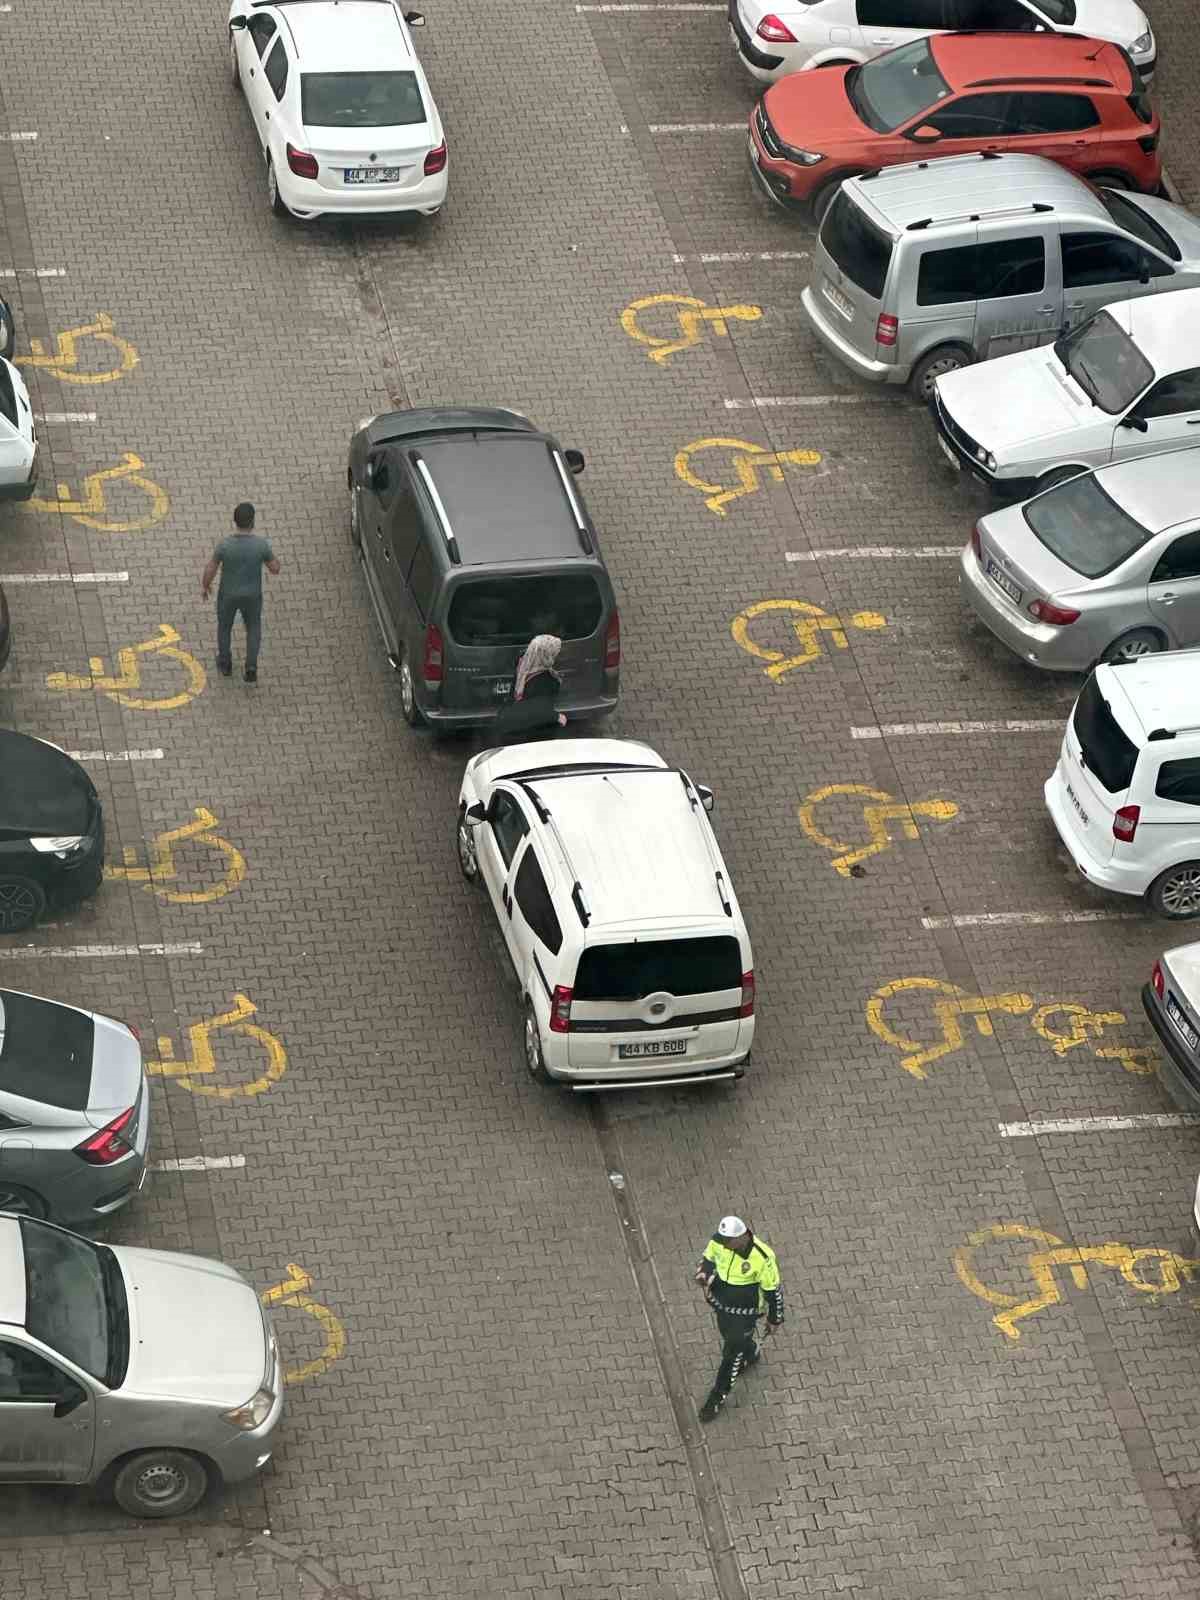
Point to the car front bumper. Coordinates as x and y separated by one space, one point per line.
1179 1069
246 1453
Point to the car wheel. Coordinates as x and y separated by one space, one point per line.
409 708
22 1201
936 364
468 856
1057 475
160 1483
235 76
824 197
1112 180
1175 893
1133 645
21 904
273 200
534 1062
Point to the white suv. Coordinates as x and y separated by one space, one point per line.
633 960
1125 795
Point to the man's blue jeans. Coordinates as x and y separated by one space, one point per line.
228 606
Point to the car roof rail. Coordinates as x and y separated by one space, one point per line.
1157 733
689 789
578 899
1038 207
581 526
443 516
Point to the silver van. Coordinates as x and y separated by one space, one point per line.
924 268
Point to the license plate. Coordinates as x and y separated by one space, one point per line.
838 300
949 454
1003 581
372 174
502 688
665 1047
1185 1028
1075 801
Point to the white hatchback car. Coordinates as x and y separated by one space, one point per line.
341 105
633 960
775 37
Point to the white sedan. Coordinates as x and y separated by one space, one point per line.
341 105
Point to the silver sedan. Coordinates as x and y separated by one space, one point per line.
1103 567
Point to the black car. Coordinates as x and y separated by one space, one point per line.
51 831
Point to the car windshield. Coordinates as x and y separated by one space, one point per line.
1105 363
1084 528
1130 216
510 611
1104 748
75 1300
360 99
1060 11
896 86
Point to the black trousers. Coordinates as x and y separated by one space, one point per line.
228 607
739 1348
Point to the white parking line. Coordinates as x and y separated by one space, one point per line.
115 755
1154 1119
64 577
714 257
905 730
65 416
876 552
768 402
33 272
96 952
20 138
199 1164
697 127
618 10
1026 919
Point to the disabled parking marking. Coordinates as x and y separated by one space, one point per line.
1167 1276
92 508
293 1291
129 674
808 622
883 809
691 316
1083 1027
163 869
63 361
202 1057
747 461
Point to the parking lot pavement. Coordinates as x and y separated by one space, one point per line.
483 1291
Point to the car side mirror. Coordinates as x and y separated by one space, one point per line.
707 798
236 22
73 1397
925 134
476 813
415 19
1138 424
574 460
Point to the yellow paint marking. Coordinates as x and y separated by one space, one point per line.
129 674
163 868
64 362
948 1013
692 315
202 1058
1171 1271
293 1291
1083 1025
877 817
748 461
92 505
808 623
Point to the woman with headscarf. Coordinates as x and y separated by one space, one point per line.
534 703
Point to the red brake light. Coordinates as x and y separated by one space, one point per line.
612 642
431 665
887 329
560 1010
136 1032
301 163
976 543
1125 823
746 1009
107 1145
777 32
1156 980
1058 616
436 159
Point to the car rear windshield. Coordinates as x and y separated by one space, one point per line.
360 99
1130 216
1106 750
670 966
506 611
45 1051
896 86
1084 527
67 1303
858 247
1105 363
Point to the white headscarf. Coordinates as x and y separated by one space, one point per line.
540 655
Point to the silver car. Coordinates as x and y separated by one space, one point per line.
157 1371
74 1111
1172 1003
1103 567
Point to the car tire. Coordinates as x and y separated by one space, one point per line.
1056 475
160 1483
936 363
1175 893
464 848
1113 180
276 204
823 197
235 75
409 709
22 902
1133 645
22 1202
535 1063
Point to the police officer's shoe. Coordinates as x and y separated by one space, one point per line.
711 1406
754 1356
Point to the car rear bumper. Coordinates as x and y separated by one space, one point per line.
307 198
827 333
1035 642
1179 1069
24 489
95 1193
706 1066
485 716
763 65
1112 873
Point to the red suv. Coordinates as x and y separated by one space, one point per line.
1079 101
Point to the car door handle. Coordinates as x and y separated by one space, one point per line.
882 38
1166 599
1193 422
1045 311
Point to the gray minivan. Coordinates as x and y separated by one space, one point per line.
473 538
924 268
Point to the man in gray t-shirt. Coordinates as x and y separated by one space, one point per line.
240 558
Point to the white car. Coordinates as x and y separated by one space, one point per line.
1125 383
342 108
18 437
775 37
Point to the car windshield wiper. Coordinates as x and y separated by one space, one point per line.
856 106
117 1304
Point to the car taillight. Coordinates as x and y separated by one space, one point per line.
612 643
1047 611
431 664
777 32
1149 143
1125 823
136 1032
976 543
436 159
1157 982
887 329
746 1008
301 163
560 1010
108 1145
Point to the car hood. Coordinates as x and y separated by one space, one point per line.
42 791
1117 20
196 1328
812 110
1021 399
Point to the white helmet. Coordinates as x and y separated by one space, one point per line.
731 1228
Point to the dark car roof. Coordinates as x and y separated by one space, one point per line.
46 1052
969 59
42 791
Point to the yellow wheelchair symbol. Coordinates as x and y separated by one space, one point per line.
92 505
748 462
293 1291
164 869
885 810
1084 1026
1168 1271
808 623
949 1012
202 1059
129 674
692 315
64 362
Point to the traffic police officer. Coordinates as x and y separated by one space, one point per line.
740 1278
